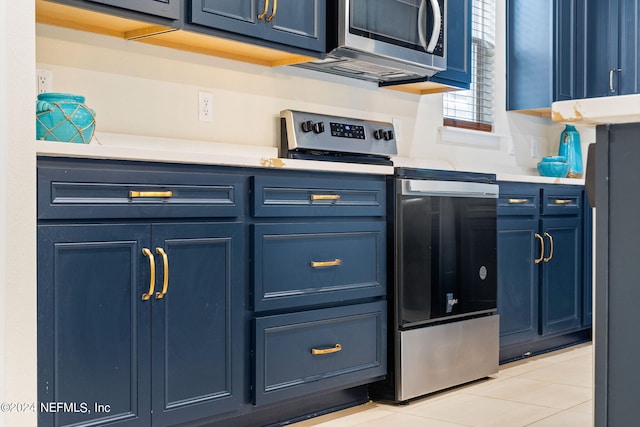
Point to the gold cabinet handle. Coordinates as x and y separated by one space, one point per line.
547 259
152 278
165 280
266 9
563 201
334 349
325 197
318 264
517 201
138 194
539 260
274 10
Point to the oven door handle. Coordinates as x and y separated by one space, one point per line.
416 187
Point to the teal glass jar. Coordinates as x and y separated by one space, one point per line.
64 117
571 150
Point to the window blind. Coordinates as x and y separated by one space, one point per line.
474 108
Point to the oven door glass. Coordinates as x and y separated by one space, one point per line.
446 261
413 24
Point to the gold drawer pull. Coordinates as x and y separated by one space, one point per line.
152 276
317 264
136 194
517 201
334 349
539 260
266 9
325 197
547 259
563 201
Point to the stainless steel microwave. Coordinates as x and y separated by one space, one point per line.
384 40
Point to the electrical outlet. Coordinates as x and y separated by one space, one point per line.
397 127
535 147
205 106
45 80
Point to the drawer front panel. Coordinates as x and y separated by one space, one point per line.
290 197
78 192
518 199
318 350
315 263
562 200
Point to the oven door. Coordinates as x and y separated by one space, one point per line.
445 251
411 30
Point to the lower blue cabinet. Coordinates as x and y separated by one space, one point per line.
319 350
161 360
302 264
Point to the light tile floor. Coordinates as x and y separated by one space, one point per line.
552 390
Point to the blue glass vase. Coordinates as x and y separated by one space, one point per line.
571 150
64 117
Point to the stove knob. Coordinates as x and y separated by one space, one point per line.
307 126
318 127
378 134
388 136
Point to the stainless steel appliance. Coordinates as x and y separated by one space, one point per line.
384 40
442 247
443 269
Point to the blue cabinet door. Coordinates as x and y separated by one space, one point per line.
163 8
458 38
518 278
298 23
566 44
197 355
629 44
561 293
93 326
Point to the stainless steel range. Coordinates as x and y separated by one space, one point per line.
442 247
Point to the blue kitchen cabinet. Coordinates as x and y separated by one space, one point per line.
319 283
518 278
543 39
610 62
541 283
164 8
296 23
459 46
137 316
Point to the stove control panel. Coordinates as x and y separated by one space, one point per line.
310 132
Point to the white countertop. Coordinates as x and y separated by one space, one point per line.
128 147
594 111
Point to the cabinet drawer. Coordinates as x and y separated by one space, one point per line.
314 263
562 200
318 350
310 196
78 190
518 199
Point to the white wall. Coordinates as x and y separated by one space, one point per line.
148 90
17 210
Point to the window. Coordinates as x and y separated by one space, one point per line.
474 108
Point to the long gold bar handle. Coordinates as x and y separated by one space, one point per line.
563 201
547 259
325 197
274 10
317 264
266 9
138 194
152 279
334 349
539 260
165 280
517 201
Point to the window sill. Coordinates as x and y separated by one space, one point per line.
470 138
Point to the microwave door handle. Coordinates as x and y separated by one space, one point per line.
422 24
437 24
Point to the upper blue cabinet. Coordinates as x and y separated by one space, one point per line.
458 39
163 8
611 61
543 39
296 23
